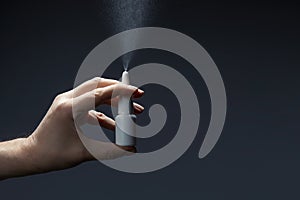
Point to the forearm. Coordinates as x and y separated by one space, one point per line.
26 156
16 158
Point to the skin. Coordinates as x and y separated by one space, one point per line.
56 144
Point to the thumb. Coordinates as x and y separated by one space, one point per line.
104 150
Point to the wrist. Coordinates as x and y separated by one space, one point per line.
34 158
50 154
40 157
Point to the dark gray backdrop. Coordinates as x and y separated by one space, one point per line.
255 45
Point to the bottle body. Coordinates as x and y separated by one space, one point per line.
125 120
125 130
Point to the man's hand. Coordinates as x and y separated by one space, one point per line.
56 144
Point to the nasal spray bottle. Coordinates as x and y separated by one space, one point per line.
125 120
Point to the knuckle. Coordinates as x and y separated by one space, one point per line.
96 80
98 92
59 97
116 90
115 81
63 105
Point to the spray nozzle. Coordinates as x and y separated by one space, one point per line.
125 105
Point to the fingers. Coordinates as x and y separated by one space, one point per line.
106 93
92 84
109 151
137 108
105 150
115 151
96 118
131 149
93 93
98 96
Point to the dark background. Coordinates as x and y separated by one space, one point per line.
255 46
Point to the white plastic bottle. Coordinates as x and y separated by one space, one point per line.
125 120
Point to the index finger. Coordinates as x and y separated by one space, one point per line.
99 96
92 84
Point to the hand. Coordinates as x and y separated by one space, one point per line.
56 144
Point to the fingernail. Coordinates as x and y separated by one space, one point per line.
137 93
141 91
139 107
